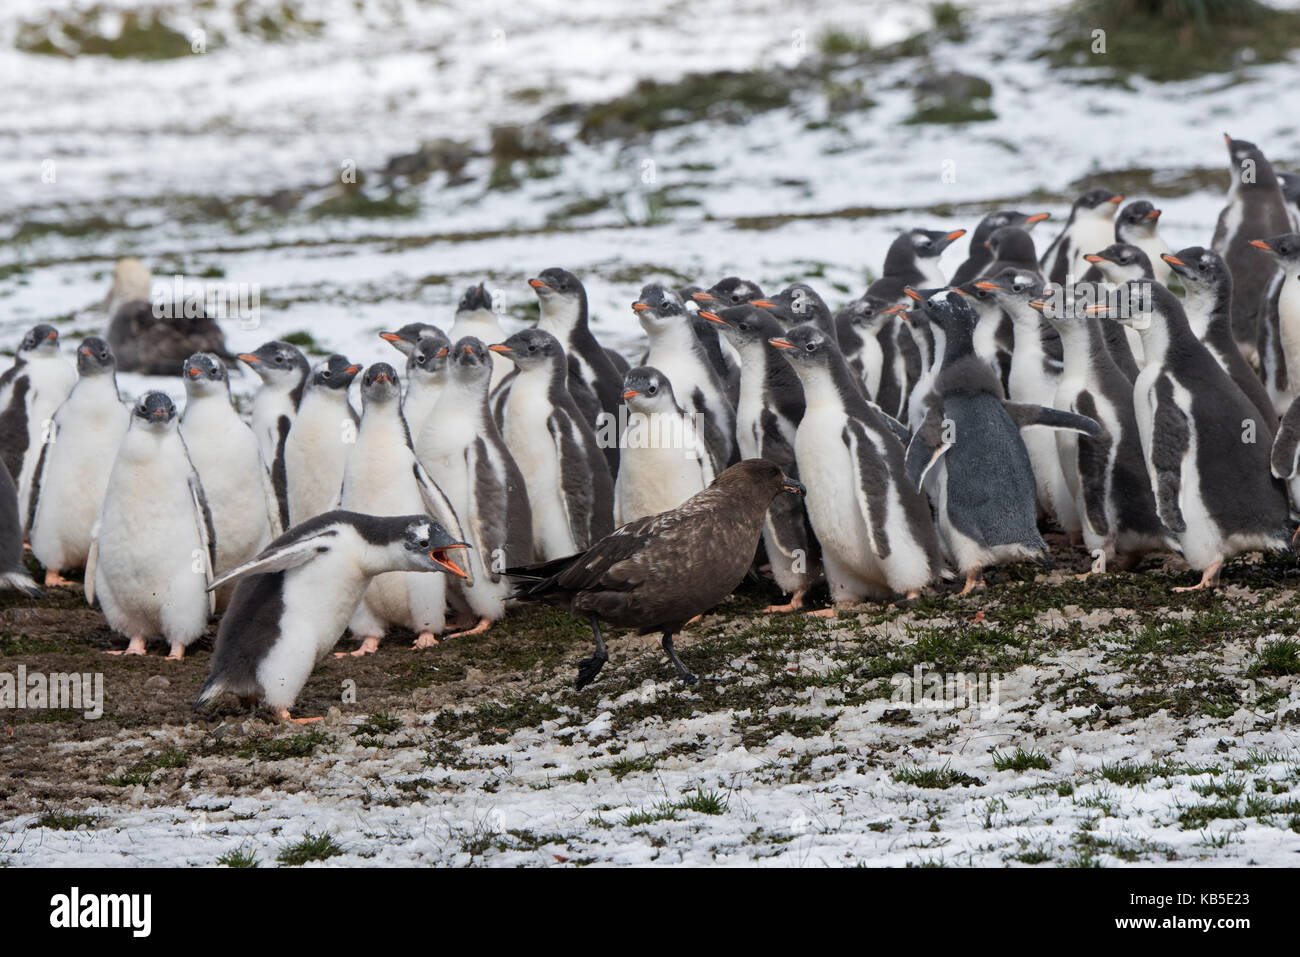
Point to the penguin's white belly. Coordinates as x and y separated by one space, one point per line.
1091 235
77 467
654 480
51 382
226 456
534 452
1055 493
1288 316
872 358
418 404
314 457
267 410
1202 543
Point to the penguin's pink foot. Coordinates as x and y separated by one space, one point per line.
693 621
282 714
823 613
369 645
483 625
974 580
134 647
177 653
53 579
1209 579
426 639
794 604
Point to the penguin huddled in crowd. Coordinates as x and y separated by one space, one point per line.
934 428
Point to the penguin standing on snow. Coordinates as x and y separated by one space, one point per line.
316 451
31 391
1208 305
283 370
569 487
462 450
475 316
969 456
677 354
1090 226
767 424
875 529
426 374
663 458
1279 334
229 464
1206 446
1256 209
75 463
153 549
383 477
980 257
294 599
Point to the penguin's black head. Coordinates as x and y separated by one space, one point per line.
1013 243
1198 267
1005 217
1290 183
868 314
645 388
1134 304
1240 151
731 291
929 243
277 361
204 372
470 360
336 372
1121 262
42 338
657 301
431 352
379 383
1285 248
796 303
951 312
155 408
1011 283
476 299
94 357
1102 202
557 283
805 345
405 338
531 349
429 546
745 323
1136 219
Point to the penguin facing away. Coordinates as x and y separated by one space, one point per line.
1090 226
476 315
153 547
316 451
284 371
1205 443
225 454
31 391
293 600
75 463
980 257
569 487
664 459
383 477
969 456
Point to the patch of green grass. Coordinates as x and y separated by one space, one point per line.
704 802
355 203
240 857
834 42
313 847
1021 760
142 771
379 723
625 766
663 811
1128 773
938 778
142 36
278 749
58 821
1279 657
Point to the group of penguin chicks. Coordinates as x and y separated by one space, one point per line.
933 424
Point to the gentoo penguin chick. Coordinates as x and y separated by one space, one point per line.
1290 184
1137 224
1206 445
659 572
150 343
1106 474
569 487
1208 305
153 548
404 340
664 459
13 574
857 326
767 421
980 255
294 599
283 370
1090 226
1111 267
1256 209
475 316
316 451
875 529
229 464
1280 327
75 462
462 450
383 477
676 352
796 304
426 373
31 391
969 456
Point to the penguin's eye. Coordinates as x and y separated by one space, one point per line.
652 390
532 347
811 347
279 359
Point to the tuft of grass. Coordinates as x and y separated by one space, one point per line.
1278 658
242 856
1021 760
313 847
938 778
142 772
58 821
379 723
705 802
625 766
278 749
663 811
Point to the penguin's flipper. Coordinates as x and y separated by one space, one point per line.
92 560
280 557
207 536
38 476
575 482
1286 446
486 520
437 504
1093 458
871 484
1024 415
898 428
500 394
270 500
1170 441
926 447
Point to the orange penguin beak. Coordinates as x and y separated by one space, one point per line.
713 317
538 284
439 555
500 347
352 370
1260 244
640 306
1116 200
986 286
389 337
631 394
912 293
781 343
1172 260
763 303
956 234
1037 218
1094 258
248 357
